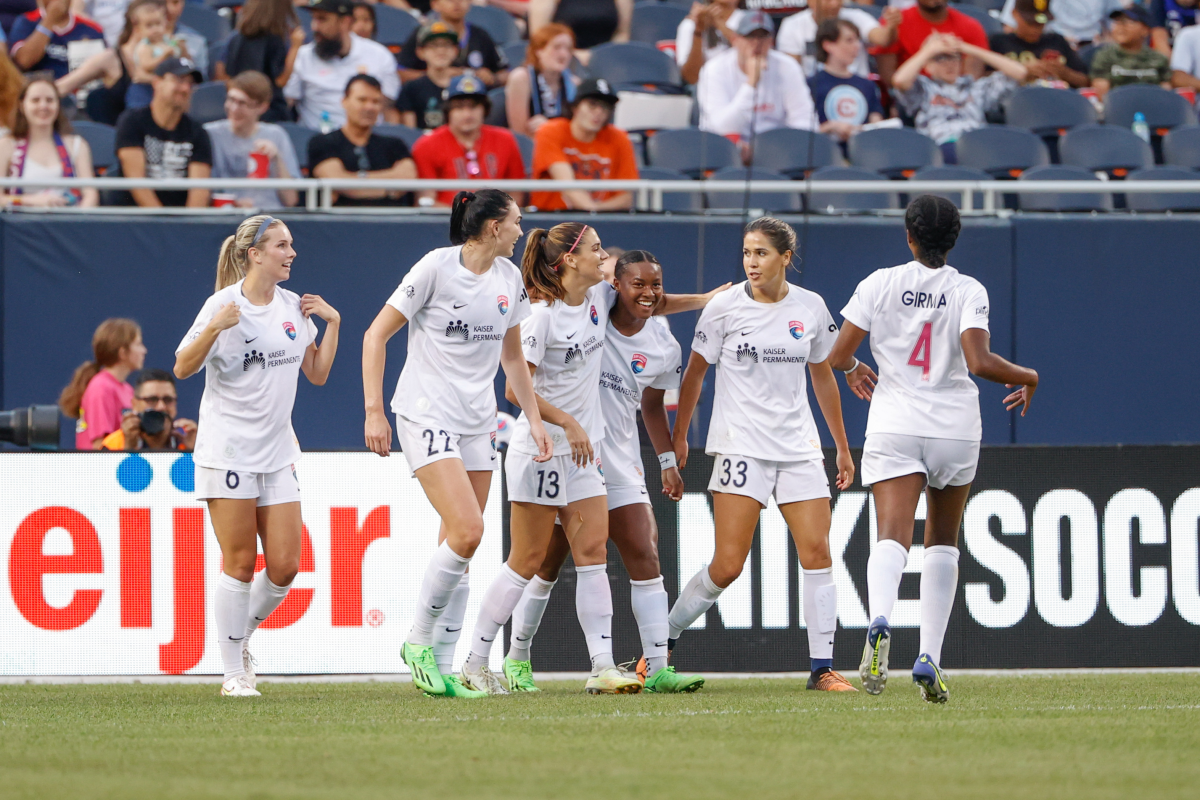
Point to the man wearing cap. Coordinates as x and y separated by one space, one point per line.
584 146
333 57
753 88
1079 21
798 33
420 101
464 148
43 39
1128 60
476 50
918 22
162 141
1046 56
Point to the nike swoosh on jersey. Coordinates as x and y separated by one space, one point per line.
746 333
572 335
602 636
459 305
248 341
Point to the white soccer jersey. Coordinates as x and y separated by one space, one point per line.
650 359
250 382
916 316
457 323
761 406
566 344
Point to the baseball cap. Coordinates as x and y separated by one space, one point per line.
755 21
436 30
466 85
1135 13
342 8
179 66
1035 11
596 87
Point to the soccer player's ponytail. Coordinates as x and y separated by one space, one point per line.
541 267
232 261
470 211
934 224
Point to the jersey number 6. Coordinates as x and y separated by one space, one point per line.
920 355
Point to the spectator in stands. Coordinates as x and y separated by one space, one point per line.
923 19
945 102
1046 56
798 33
1081 22
420 101
150 422
42 146
113 67
150 48
197 45
356 151
267 40
42 40
108 14
753 85
241 139
476 50
584 146
546 67
844 100
162 141
464 148
98 393
1185 58
1167 19
11 84
318 82
594 22
706 32
1128 59
365 24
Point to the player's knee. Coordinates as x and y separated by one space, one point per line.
724 573
240 566
283 574
642 564
814 554
465 535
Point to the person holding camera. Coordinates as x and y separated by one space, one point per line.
150 422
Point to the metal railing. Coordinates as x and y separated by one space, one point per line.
319 192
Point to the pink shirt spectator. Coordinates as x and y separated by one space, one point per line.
103 401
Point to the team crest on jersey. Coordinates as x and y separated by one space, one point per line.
502 304
599 467
493 437
797 329
638 363
290 330
595 316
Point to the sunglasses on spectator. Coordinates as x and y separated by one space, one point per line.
154 400
364 163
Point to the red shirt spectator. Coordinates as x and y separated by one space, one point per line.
917 22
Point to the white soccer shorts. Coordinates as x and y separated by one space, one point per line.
943 462
424 444
553 483
268 488
619 496
789 481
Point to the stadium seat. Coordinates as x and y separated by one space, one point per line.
514 52
691 151
393 26
1163 108
683 202
498 116
205 21
299 136
794 152
1181 147
634 63
1002 151
954 173
102 139
1105 148
991 25
1165 201
409 135
499 24
655 22
1101 201
1087 53
894 152
769 201
986 5
208 102
1048 112
525 144
845 202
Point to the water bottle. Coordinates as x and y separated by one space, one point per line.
1140 128
327 123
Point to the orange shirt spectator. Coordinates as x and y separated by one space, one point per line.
584 147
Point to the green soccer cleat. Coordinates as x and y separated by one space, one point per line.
424 668
519 675
455 688
928 676
666 681
612 681
874 666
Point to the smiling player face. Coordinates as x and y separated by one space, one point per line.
764 265
588 258
274 254
640 289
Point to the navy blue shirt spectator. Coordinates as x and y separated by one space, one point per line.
844 101
1169 18
41 40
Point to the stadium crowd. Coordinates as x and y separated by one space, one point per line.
494 89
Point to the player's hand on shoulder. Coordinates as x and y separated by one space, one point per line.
710 295
227 316
673 484
315 304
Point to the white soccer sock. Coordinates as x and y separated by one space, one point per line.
939 581
442 577
450 624
695 599
593 604
820 611
231 608
265 597
649 600
498 605
527 617
885 568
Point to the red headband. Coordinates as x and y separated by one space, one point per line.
577 238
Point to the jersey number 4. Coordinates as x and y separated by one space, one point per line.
920 355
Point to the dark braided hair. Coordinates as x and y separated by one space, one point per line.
933 223
631 257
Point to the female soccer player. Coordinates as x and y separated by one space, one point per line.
760 334
253 336
641 361
929 332
466 304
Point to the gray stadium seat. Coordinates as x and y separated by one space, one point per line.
1164 201
991 25
841 203
1048 112
499 114
682 202
655 22
499 24
1002 151
205 21
894 152
208 102
514 52
393 26
409 135
102 140
1101 201
1105 148
770 201
1181 147
954 173
1163 108
691 151
299 136
634 63
794 152
525 144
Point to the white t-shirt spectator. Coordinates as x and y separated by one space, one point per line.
727 100
798 33
1078 20
109 15
318 86
684 36
1185 56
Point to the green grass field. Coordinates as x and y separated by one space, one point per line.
1060 736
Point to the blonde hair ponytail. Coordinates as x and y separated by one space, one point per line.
232 263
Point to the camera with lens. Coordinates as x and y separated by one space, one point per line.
35 426
153 422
